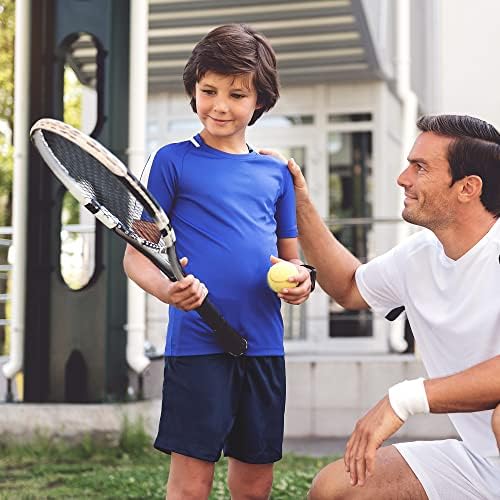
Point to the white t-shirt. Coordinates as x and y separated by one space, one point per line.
453 308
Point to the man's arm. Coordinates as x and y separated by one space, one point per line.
335 264
474 389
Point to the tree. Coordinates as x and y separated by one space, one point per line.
7 19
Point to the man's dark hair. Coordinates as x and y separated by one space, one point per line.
235 49
475 150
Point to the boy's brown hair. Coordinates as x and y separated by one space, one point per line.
235 49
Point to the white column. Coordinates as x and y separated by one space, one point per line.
22 58
138 92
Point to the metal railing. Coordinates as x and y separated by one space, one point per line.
294 318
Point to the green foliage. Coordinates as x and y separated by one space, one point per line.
45 469
7 19
73 92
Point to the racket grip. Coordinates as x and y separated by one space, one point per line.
227 338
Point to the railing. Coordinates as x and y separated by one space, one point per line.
5 268
294 317
341 321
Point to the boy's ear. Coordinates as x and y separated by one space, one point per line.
193 104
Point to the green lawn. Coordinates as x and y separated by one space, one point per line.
132 470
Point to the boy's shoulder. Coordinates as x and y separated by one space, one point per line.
174 148
271 161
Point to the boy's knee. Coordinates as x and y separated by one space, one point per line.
259 489
195 489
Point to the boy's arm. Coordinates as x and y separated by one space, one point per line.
186 294
288 249
336 266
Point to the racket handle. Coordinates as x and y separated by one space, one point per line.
227 338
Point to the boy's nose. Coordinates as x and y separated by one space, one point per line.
220 105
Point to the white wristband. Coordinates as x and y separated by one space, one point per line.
409 398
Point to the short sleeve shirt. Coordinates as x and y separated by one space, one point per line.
453 307
228 211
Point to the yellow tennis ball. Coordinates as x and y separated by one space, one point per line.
278 274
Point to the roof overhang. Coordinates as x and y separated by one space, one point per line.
316 41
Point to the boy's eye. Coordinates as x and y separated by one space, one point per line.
238 96
208 92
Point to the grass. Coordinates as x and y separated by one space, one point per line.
47 470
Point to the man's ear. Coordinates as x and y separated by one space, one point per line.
471 188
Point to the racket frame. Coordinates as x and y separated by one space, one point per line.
224 333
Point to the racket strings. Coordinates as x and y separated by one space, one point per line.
98 183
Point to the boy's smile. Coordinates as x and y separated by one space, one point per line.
225 105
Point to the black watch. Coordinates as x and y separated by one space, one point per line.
312 275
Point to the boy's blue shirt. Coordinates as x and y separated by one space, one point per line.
227 210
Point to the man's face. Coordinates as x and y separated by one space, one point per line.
430 199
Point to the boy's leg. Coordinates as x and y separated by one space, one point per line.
197 413
256 438
495 423
249 481
189 478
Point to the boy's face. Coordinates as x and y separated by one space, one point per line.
225 104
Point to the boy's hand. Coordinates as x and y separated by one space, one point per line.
186 294
299 294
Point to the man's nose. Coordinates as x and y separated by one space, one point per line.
404 178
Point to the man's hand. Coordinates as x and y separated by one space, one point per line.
299 294
299 181
495 423
369 433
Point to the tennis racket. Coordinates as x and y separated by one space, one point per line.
105 186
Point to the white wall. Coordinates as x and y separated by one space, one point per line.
470 69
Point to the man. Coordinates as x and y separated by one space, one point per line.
448 279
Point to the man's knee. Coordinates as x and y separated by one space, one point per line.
495 423
330 483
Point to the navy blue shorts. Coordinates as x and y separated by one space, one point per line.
217 402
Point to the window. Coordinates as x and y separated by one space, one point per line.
350 208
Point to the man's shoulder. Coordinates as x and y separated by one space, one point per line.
422 240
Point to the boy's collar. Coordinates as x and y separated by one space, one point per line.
197 141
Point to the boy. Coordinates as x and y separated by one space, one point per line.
231 209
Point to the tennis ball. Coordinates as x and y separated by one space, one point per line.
278 274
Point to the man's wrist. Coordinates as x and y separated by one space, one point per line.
312 274
409 398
